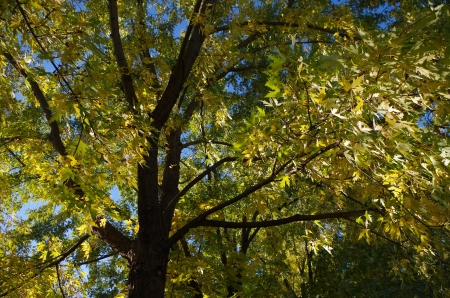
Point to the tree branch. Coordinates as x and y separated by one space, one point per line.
185 145
59 147
36 38
202 217
96 259
56 261
114 238
377 234
59 281
197 179
127 81
312 157
189 52
283 221
286 24
18 138
192 224
16 157
146 58
55 133
192 283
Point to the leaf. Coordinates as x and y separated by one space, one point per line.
273 84
86 249
359 105
35 5
285 181
277 62
347 86
356 83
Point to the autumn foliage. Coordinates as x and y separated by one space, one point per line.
224 148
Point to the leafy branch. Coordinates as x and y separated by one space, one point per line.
202 217
55 262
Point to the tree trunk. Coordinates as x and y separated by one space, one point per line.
148 270
150 254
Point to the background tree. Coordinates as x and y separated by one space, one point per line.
260 148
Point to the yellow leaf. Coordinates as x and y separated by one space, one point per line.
36 5
73 161
347 86
357 82
320 144
86 248
320 96
81 229
359 105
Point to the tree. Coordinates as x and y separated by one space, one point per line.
266 144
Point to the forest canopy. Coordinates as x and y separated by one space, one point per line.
232 148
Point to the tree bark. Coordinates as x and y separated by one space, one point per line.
148 270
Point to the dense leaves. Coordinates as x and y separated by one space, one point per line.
260 148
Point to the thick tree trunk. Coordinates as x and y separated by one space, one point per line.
148 270
150 254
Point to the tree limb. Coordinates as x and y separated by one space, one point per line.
377 234
56 261
96 259
114 238
127 81
192 283
185 145
312 157
283 221
189 52
202 217
192 224
286 24
59 281
55 133
199 178
16 157
59 146
36 38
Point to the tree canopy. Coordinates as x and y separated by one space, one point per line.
260 148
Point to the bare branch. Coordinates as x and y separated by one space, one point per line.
59 281
185 145
96 259
283 221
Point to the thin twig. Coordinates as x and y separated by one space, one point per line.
59 281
